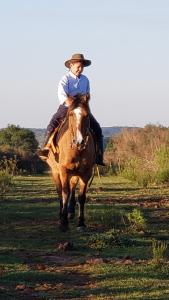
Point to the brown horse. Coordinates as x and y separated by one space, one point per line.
75 161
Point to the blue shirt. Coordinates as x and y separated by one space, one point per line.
71 85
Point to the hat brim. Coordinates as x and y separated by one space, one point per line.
85 62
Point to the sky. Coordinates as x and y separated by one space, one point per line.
126 40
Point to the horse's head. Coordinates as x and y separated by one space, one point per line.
79 122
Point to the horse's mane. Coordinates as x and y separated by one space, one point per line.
80 101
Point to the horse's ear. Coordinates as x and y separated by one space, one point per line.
87 97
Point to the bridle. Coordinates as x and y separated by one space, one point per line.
82 146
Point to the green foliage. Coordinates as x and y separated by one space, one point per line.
158 249
108 239
5 183
103 216
100 241
19 146
108 217
135 170
9 166
18 139
109 145
141 155
136 220
130 169
162 164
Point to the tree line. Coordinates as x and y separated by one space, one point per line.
139 154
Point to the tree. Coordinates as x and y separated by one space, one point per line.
17 139
20 143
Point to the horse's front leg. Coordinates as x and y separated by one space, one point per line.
65 197
81 201
72 200
71 205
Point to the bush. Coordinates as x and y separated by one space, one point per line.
18 151
141 154
162 164
109 239
159 249
5 183
136 220
135 170
18 139
9 166
101 241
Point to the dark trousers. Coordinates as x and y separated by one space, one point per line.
61 114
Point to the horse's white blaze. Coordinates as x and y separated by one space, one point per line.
78 113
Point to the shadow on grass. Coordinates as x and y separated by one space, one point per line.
41 285
29 235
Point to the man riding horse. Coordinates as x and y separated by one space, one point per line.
72 84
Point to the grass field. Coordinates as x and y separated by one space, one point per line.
110 260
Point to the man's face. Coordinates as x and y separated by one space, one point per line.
76 68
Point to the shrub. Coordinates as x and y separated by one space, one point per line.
141 154
136 220
19 146
162 164
109 239
136 170
9 165
159 249
107 217
100 241
5 183
8 168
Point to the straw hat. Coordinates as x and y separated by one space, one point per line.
76 58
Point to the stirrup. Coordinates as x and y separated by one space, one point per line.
100 163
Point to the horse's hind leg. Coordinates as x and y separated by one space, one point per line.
81 201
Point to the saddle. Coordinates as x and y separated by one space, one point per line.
57 134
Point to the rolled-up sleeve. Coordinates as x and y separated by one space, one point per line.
63 89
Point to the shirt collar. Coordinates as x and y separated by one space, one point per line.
73 75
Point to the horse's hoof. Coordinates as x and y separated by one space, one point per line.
63 227
65 246
71 216
81 228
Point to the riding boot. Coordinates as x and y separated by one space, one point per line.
99 153
44 151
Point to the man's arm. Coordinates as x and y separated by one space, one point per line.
63 91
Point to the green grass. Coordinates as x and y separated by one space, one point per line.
32 267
